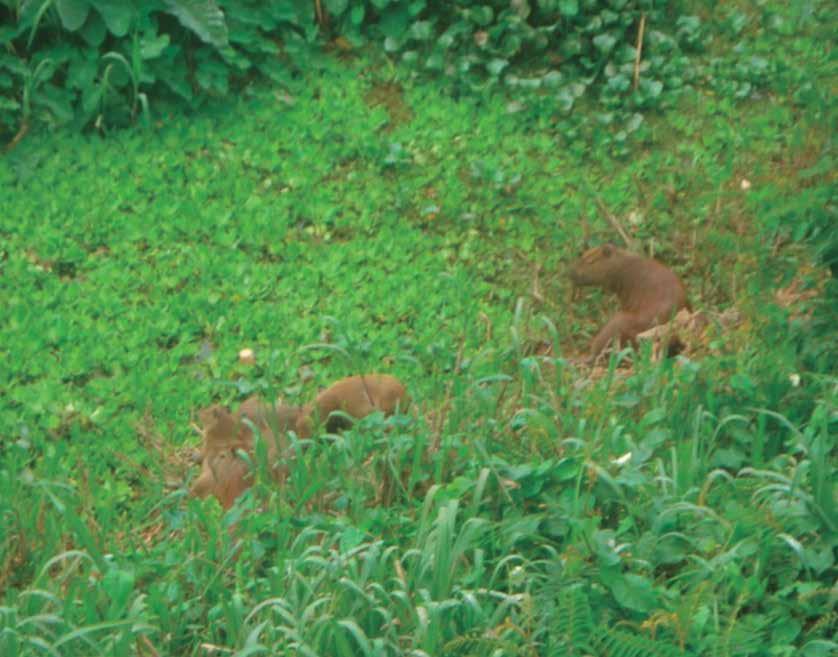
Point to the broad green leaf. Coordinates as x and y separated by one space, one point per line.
117 15
446 39
634 592
553 79
672 549
57 101
511 45
785 632
421 30
435 61
530 83
336 7
565 99
94 30
634 122
618 83
566 469
569 8
609 18
118 584
819 648
153 46
604 42
393 23
82 72
350 538
73 13
496 66
651 88
521 7
203 17
571 45
91 98
482 15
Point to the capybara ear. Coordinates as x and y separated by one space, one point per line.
208 416
218 424
608 250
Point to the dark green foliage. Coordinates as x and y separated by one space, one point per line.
103 62
359 217
83 61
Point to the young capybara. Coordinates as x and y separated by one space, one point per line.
223 473
358 396
226 476
649 292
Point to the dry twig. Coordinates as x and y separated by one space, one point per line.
21 133
639 49
616 225
536 287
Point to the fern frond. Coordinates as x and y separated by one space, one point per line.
619 643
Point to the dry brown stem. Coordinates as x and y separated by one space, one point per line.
639 50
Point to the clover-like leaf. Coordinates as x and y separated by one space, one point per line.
569 8
118 15
72 13
604 42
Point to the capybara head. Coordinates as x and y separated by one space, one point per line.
223 473
597 265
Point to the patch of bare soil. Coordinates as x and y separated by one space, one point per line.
391 96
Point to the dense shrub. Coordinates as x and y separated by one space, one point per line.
104 62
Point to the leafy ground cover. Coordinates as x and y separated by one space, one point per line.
361 219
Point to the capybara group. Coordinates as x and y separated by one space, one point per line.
226 475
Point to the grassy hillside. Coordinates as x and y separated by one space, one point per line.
364 220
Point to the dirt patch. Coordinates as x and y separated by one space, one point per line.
391 96
808 285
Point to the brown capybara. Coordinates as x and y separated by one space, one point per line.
226 475
271 420
649 292
358 396
223 473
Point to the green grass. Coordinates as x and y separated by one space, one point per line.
496 520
